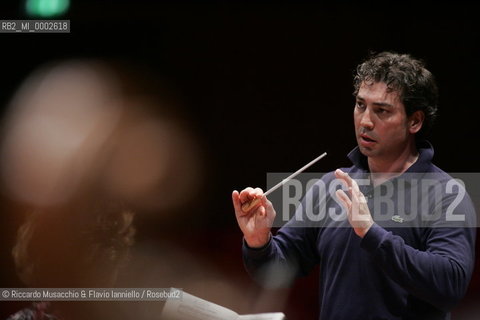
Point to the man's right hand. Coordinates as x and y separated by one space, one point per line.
257 221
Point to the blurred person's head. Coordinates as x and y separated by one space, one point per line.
79 132
78 246
88 127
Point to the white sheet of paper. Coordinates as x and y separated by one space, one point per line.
193 308
190 307
263 316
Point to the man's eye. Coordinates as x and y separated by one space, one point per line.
360 105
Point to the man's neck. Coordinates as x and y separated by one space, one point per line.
386 168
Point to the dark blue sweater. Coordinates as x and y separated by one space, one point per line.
414 270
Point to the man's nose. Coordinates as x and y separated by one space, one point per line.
366 120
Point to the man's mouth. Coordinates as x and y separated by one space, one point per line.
367 139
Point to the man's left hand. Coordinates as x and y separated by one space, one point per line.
356 205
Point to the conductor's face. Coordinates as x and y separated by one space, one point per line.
381 124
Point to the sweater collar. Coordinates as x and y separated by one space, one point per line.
425 151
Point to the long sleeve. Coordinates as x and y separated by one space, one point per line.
439 274
289 254
292 252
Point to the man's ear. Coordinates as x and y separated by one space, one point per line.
415 121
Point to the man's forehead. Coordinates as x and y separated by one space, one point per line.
377 90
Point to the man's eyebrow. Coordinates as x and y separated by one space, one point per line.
382 104
379 104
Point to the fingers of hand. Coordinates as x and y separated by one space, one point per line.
236 200
357 210
258 192
357 196
237 205
246 195
250 198
342 196
252 204
355 190
267 203
343 176
360 211
352 185
345 179
261 211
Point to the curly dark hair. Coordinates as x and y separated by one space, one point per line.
76 246
407 75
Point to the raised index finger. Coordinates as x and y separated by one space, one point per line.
344 177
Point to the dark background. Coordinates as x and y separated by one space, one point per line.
267 86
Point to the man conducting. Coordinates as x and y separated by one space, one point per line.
385 260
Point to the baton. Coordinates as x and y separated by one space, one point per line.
250 204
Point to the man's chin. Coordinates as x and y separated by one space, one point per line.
368 152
